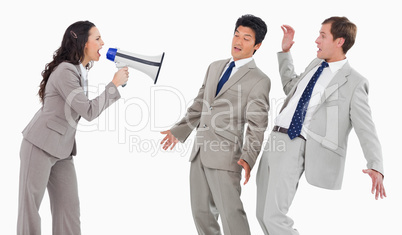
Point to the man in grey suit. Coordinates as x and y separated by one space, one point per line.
314 123
219 113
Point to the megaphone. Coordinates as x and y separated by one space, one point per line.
150 65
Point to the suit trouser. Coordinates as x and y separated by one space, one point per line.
39 170
216 192
279 171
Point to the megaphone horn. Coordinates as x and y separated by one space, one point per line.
150 65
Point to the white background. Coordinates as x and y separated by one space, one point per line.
127 184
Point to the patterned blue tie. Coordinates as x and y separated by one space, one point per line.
225 77
301 109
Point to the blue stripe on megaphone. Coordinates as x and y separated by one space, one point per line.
138 59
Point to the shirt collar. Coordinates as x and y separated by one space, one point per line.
336 66
240 63
83 71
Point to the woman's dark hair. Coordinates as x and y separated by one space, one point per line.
256 24
71 50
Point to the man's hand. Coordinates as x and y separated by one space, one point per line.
288 35
378 186
246 168
168 140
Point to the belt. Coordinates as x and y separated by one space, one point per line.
284 131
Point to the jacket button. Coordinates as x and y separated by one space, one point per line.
205 126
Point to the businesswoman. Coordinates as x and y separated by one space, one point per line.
48 145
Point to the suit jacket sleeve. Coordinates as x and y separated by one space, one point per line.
68 86
191 120
360 115
257 119
287 71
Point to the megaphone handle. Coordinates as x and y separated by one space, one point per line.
119 66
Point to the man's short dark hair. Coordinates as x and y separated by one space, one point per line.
256 24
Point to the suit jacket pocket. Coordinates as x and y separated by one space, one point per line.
334 147
59 128
227 135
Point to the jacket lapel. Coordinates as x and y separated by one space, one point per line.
215 79
236 77
339 80
83 83
79 72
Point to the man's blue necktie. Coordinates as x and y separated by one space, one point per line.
301 109
225 77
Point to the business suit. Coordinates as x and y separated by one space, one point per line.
322 154
48 147
219 143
